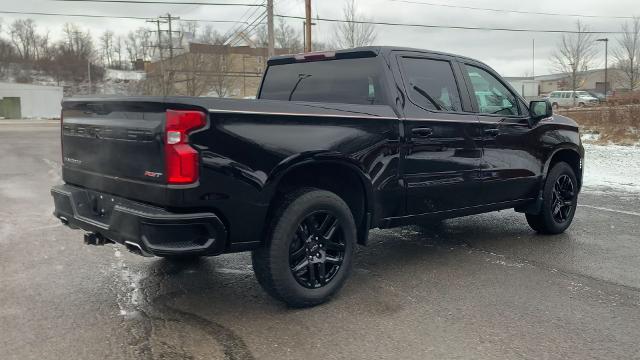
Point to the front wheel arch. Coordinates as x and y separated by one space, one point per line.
569 154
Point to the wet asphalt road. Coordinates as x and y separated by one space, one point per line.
482 287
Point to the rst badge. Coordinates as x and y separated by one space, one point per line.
152 174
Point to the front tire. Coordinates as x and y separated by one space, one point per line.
559 201
309 248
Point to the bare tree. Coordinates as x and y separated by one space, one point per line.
188 32
117 52
287 37
138 45
353 32
23 36
77 42
210 36
45 50
627 56
75 52
574 55
202 73
7 54
261 38
106 48
222 82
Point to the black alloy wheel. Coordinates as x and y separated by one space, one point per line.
317 250
559 201
308 250
562 198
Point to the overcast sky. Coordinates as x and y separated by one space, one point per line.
510 53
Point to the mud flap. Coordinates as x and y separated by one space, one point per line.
533 207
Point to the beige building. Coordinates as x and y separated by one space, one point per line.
210 70
587 80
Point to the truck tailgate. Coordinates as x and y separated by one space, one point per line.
116 147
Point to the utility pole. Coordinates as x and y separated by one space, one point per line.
244 77
169 20
533 60
606 58
89 74
171 73
270 35
304 36
307 11
164 88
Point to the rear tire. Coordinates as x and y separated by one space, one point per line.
559 201
309 248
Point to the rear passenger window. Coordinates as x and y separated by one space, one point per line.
492 96
431 84
347 81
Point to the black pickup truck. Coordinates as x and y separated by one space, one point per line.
335 144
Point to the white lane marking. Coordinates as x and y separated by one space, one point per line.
612 210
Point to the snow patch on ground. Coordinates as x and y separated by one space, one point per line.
129 293
113 74
590 136
612 166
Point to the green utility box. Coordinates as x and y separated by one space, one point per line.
10 108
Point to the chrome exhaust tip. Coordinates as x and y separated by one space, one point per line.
136 249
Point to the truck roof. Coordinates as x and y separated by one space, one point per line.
364 51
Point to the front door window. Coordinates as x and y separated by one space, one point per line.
491 95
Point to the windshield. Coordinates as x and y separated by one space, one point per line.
583 94
351 81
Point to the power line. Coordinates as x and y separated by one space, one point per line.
512 11
109 16
235 36
384 23
236 28
261 17
161 2
242 17
248 31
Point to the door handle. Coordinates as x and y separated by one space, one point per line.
492 131
422 132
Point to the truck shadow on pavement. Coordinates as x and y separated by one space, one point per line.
207 298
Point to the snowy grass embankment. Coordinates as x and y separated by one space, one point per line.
612 167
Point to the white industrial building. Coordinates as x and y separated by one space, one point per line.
525 86
29 101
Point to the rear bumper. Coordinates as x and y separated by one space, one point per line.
153 230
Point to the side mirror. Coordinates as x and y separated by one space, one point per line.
540 109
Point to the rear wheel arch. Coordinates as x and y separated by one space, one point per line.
339 176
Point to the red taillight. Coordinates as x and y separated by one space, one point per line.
181 160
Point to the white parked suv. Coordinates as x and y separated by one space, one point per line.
566 99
